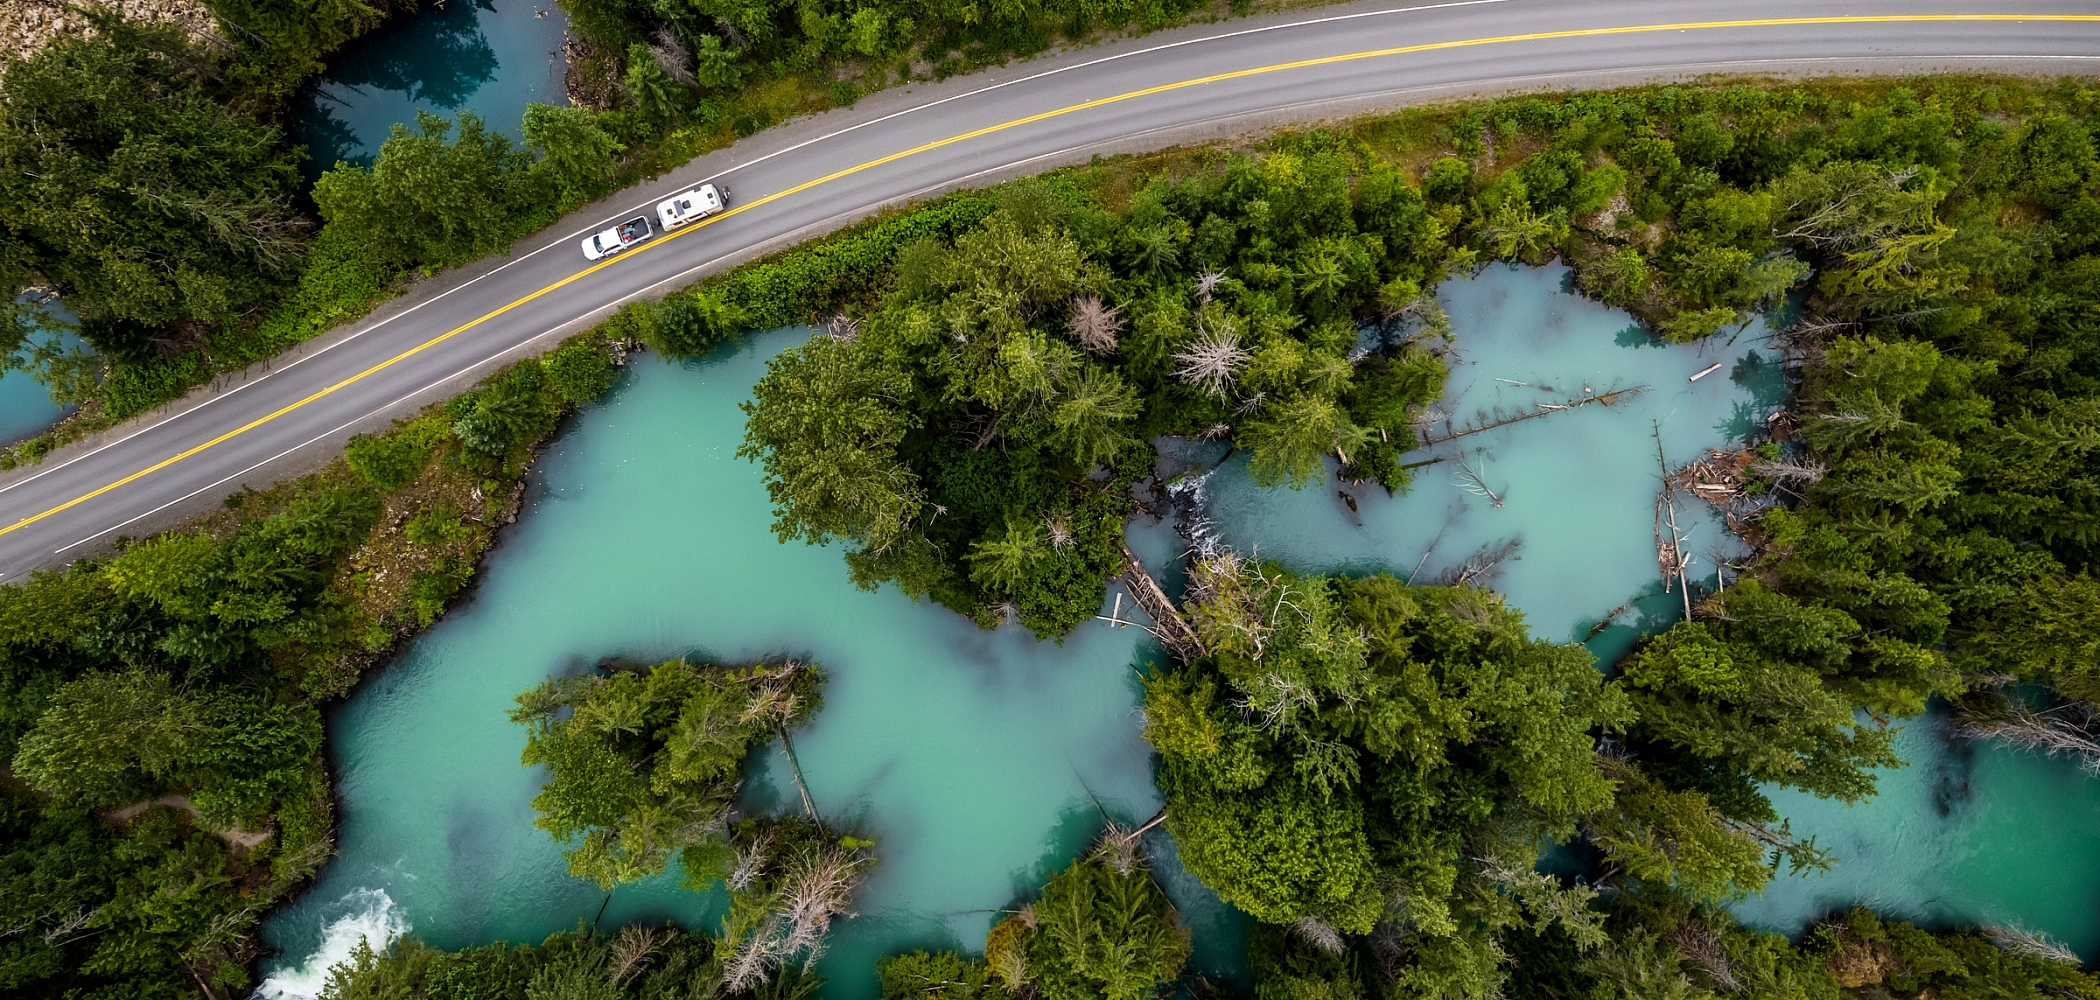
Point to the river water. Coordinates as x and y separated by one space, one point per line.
1570 496
1966 834
974 756
25 404
491 57
977 758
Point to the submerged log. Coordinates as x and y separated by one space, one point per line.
795 766
1172 629
1499 418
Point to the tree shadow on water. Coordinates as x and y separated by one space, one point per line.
1068 838
329 140
438 56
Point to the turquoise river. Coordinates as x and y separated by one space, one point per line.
977 757
490 57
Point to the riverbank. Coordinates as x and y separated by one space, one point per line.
124 787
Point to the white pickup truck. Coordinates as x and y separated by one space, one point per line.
616 239
699 203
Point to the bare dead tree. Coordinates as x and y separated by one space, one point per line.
1669 554
1170 626
631 951
1470 479
671 56
980 426
1095 325
64 929
842 328
754 958
1490 420
1118 848
731 33
1319 934
2068 730
1482 562
819 886
750 863
1791 472
2017 940
1213 360
814 888
1207 285
1703 948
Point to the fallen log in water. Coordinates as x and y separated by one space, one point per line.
1172 629
1502 419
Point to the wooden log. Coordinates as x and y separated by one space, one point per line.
1172 629
1504 420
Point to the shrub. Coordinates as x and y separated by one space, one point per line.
390 460
579 371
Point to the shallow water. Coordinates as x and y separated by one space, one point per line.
976 757
1576 488
1967 834
25 405
971 755
491 57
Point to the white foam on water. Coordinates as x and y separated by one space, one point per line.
368 915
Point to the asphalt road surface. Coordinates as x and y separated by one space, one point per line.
816 174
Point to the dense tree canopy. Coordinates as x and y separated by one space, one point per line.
955 436
126 187
639 962
692 47
1100 930
1357 756
1366 767
644 764
160 708
280 44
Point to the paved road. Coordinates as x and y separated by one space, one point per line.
816 174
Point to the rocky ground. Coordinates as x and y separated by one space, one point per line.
26 25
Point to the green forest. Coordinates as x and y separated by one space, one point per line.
160 708
1390 779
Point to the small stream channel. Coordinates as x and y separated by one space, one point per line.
977 757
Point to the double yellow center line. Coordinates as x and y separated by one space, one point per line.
1535 36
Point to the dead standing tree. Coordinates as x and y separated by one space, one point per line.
1669 554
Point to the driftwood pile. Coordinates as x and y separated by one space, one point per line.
1718 478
